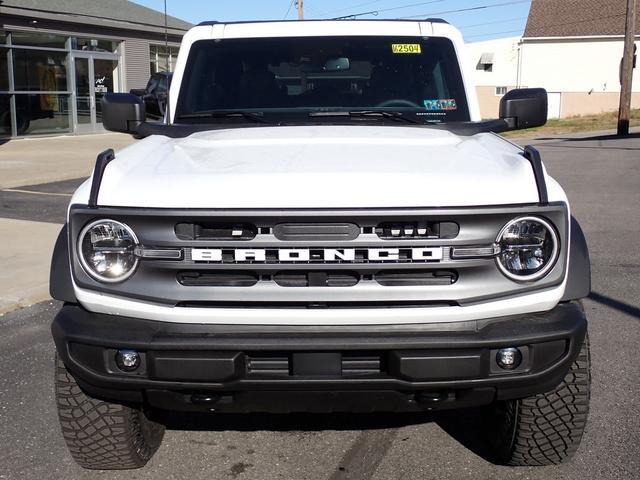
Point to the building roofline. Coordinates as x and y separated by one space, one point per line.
577 37
84 19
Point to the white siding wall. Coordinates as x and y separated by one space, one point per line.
574 65
505 61
136 62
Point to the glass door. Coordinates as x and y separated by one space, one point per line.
105 80
84 95
95 75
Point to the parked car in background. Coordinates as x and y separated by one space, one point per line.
154 94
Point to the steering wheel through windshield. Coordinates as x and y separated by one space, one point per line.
398 102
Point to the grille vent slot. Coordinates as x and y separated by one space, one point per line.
410 278
353 364
316 231
217 279
215 231
410 230
316 279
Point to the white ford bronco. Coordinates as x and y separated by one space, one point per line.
321 223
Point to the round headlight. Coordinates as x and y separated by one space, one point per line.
106 250
528 248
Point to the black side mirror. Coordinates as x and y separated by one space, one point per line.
524 108
122 112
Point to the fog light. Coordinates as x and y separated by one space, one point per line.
509 358
127 360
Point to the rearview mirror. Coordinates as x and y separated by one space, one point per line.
337 64
122 112
524 108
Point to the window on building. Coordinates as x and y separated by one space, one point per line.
162 59
4 70
93 44
43 40
500 91
36 70
486 62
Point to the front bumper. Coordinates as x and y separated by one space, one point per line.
318 368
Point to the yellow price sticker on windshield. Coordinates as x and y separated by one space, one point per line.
406 48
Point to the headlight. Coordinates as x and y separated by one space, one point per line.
528 248
106 250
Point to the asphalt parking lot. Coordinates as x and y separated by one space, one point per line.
602 178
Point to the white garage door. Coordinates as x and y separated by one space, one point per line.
555 101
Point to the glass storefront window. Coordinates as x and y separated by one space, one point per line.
39 70
93 44
4 70
5 116
38 100
162 59
40 113
44 40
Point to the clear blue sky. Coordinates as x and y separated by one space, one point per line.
506 19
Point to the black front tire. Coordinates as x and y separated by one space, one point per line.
544 429
102 435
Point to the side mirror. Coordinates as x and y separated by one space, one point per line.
524 108
122 112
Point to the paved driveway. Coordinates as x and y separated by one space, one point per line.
602 178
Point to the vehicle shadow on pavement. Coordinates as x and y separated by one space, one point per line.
594 138
467 427
286 422
623 307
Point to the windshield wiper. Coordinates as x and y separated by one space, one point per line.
255 117
368 113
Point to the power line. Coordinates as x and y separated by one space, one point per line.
493 33
289 9
320 13
358 5
379 11
478 7
549 25
493 23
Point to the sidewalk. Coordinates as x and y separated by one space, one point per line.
29 236
29 161
24 275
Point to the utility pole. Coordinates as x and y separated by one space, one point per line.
626 70
300 5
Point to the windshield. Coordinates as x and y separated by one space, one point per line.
318 76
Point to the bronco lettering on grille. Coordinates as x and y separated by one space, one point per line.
240 255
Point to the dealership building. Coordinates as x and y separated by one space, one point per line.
59 57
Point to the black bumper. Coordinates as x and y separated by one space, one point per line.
267 368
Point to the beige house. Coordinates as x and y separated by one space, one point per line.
573 48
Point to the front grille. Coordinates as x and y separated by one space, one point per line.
392 278
315 259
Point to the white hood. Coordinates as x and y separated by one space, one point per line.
318 167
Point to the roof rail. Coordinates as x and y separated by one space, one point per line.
435 20
432 20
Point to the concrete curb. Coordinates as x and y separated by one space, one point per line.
23 303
